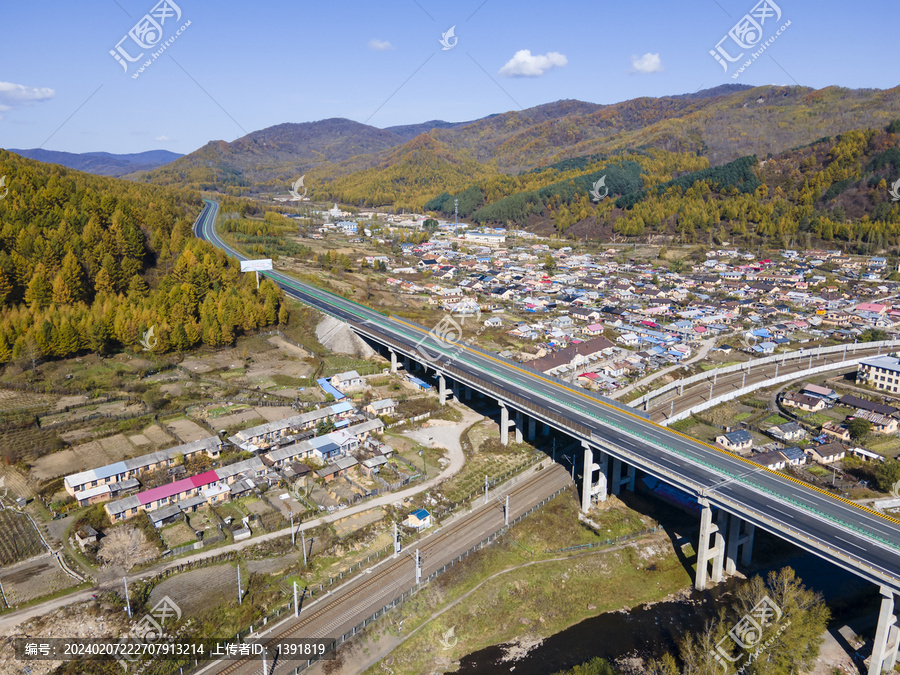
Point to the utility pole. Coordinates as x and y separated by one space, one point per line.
296 602
303 538
293 533
127 601
265 665
240 595
396 540
418 567
506 511
485 489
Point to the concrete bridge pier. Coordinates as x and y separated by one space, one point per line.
504 424
618 480
546 430
887 636
393 361
708 552
590 489
468 393
442 389
739 539
519 425
406 364
532 426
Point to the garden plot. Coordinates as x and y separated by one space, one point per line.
244 417
33 579
18 538
187 430
355 522
318 496
287 505
112 408
11 400
199 589
177 535
88 456
273 413
342 490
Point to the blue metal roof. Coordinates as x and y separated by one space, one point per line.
110 470
328 389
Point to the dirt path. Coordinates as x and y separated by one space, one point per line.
445 433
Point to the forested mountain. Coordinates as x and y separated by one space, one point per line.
272 158
364 166
90 264
842 188
102 163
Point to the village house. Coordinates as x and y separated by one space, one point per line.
803 402
739 441
827 453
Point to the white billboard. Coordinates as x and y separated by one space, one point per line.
256 265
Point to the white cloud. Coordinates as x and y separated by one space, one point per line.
15 95
525 64
380 45
648 63
163 139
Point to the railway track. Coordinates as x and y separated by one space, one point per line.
397 575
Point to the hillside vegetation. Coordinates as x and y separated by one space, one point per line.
89 264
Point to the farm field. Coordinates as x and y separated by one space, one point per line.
33 579
18 538
198 589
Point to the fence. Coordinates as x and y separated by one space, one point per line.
405 595
748 366
608 542
737 393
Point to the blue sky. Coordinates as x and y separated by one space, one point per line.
240 66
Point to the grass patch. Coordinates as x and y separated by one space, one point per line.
817 419
506 592
772 420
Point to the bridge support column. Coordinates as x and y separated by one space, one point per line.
618 480
442 389
504 425
546 430
468 391
709 552
887 636
738 539
406 364
587 470
393 361
532 424
590 489
519 425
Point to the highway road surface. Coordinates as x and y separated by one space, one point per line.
838 530
337 613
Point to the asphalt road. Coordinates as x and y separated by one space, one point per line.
661 408
337 613
835 529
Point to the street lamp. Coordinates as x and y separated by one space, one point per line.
424 470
